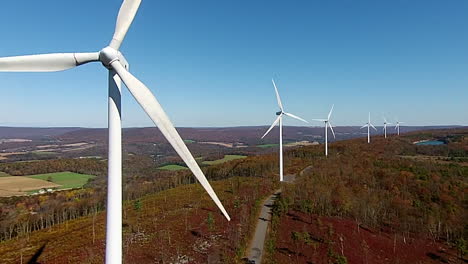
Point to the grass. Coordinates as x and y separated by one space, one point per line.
226 158
172 167
4 174
44 153
66 179
189 141
267 145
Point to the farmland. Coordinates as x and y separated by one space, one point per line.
226 158
17 185
172 167
267 145
66 180
22 185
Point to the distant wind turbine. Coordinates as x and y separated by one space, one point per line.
397 127
327 123
279 120
368 125
116 64
385 126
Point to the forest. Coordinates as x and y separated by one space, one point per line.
389 187
392 185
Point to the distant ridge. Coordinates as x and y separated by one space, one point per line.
245 134
33 132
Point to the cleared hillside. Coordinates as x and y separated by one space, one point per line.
181 223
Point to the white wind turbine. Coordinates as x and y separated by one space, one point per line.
327 123
114 61
368 125
397 127
279 120
385 126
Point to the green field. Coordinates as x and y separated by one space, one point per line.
44 153
66 179
172 167
267 145
226 158
188 141
3 174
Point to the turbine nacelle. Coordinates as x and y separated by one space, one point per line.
279 113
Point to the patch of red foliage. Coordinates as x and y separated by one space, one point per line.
332 237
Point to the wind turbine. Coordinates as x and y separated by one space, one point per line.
279 120
115 62
368 125
385 126
397 127
327 123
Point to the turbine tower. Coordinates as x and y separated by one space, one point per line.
397 127
327 123
115 62
368 125
279 120
385 126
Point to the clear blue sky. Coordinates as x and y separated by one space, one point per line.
210 62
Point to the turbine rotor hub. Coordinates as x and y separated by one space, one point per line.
108 55
279 113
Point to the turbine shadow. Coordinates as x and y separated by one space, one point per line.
36 255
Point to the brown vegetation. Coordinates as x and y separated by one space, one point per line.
181 223
369 185
421 204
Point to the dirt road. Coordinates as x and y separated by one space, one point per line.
255 250
258 241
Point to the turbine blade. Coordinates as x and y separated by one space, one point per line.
363 126
296 117
46 62
320 120
331 128
125 18
373 126
331 110
397 125
277 95
154 110
273 125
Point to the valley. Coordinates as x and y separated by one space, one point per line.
364 199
